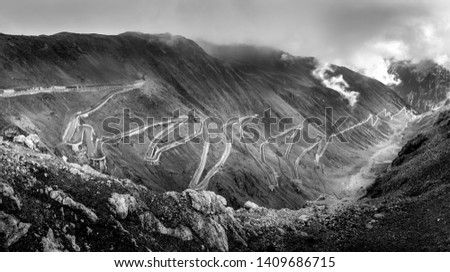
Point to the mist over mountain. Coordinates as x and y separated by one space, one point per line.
180 74
80 158
424 85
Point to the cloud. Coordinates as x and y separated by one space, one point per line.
341 32
375 66
337 83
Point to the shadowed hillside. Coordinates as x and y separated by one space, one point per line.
50 205
179 74
424 85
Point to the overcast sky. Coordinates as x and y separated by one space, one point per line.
356 33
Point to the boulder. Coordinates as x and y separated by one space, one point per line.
206 202
31 141
123 204
251 206
19 139
34 138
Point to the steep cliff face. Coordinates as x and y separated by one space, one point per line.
179 74
424 85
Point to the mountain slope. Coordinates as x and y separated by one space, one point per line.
421 165
51 205
425 85
179 74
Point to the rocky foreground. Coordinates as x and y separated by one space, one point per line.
48 204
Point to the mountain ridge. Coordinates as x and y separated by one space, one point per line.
425 85
179 74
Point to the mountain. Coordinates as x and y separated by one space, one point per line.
425 85
421 165
151 76
51 205
251 56
82 171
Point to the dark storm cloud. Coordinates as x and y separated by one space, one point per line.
345 31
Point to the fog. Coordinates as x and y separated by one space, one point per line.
360 34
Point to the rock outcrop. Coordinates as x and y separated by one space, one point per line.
8 197
63 199
50 243
51 205
19 139
11 229
202 213
123 204
75 208
251 206
31 141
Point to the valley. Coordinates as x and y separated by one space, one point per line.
225 135
78 209
272 174
175 146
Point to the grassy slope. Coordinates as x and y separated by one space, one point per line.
406 209
402 211
181 75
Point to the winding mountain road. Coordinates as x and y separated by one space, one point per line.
76 133
226 153
74 120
